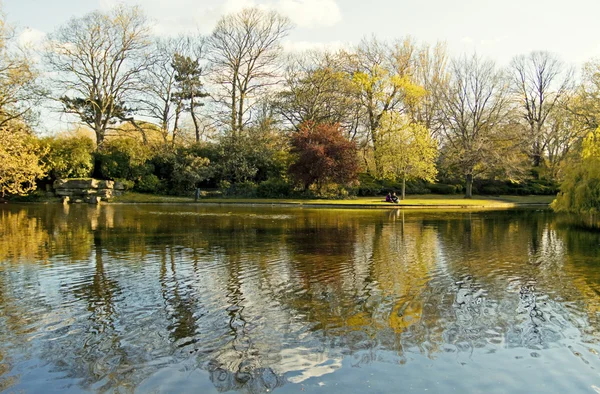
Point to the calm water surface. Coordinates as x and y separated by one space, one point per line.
175 299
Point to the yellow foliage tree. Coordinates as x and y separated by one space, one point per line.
406 150
20 162
383 78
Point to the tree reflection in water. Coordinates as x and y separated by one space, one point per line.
108 297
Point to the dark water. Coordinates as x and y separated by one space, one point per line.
180 299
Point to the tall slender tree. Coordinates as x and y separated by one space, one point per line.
540 80
244 52
189 86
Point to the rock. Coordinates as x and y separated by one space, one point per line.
65 192
93 200
79 183
119 186
105 193
106 184
90 190
78 201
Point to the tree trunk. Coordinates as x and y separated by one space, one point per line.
403 188
233 104
469 188
192 112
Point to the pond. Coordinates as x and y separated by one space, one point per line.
188 298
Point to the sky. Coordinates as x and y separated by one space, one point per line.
498 29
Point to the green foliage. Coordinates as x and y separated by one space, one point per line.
274 188
148 183
525 188
124 158
181 170
255 158
368 186
441 188
20 161
580 189
406 150
240 189
69 157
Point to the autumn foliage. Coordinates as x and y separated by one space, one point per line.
323 155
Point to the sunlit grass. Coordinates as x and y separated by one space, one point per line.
411 201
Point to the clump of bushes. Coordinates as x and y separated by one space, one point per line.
69 157
274 188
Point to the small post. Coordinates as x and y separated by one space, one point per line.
197 194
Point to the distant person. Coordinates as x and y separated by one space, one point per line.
388 198
394 198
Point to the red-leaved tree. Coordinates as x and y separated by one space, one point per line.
323 155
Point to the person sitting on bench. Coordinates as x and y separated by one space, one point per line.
394 198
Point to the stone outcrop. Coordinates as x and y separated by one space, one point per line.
89 190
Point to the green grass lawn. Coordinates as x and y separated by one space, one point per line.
411 201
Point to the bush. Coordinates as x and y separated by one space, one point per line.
415 187
441 188
181 170
274 188
255 157
69 157
368 186
148 183
240 189
124 158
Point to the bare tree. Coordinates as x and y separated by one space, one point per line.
475 105
97 62
19 88
244 51
540 80
430 72
585 103
157 99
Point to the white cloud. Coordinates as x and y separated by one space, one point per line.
467 40
31 37
493 41
183 16
301 46
309 13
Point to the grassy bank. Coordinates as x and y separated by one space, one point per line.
420 201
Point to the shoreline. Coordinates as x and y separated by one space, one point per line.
345 206
423 202
414 202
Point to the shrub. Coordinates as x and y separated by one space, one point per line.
274 188
69 157
124 158
368 186
441 188
240 189
148 183
181 170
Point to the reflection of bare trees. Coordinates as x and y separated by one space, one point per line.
180 301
